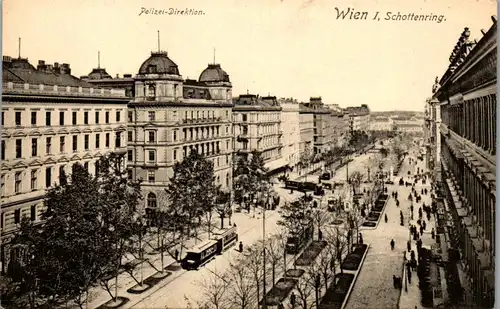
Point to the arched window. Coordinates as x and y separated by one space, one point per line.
151 200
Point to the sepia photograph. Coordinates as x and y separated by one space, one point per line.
248 154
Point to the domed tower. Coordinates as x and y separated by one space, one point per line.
217 81
158 79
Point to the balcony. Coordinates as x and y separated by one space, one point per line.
201 120
243 135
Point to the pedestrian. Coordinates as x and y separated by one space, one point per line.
241 247
433 234
280 306
292 299
421 230
408 245
424 225
385 217
176 255
392 244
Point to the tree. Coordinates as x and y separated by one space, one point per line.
255 264
214 291
251 180
66 255
241 290
326 263
338 245
355 179
306 287
296 217
305 160
223 207
118 198
321 217
193 179
275 250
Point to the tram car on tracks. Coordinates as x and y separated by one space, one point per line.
200 255
226 239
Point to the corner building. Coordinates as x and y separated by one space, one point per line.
169 117
50 120
466 96
257 126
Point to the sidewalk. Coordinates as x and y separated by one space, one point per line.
412 298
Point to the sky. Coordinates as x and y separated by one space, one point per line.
286 48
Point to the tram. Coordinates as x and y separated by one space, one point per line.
226 239
295 243
200 255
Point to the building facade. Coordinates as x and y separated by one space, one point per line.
290 126
257 126
359 118
381 123
465 99
50 121
169 117
306 125
339 128
322 125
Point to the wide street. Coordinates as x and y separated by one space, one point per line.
373 287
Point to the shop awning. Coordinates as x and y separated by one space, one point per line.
276 164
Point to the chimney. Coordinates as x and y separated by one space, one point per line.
117 75
65 69
57 68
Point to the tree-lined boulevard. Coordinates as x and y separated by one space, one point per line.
302 249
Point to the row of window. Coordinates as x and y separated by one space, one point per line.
17 216
474 120
62 144
34 180
19 118
152 116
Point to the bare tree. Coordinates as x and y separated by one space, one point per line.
306 287
214 291
275 249
282 238
242 291
256 266
321 217
326 263
338 245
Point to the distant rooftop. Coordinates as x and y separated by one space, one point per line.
19 70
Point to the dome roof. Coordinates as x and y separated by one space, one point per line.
159 63
214 73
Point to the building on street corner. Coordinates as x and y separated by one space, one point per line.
169 117
257 126
50 121
465 101
359 117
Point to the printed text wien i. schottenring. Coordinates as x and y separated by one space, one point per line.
352 14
